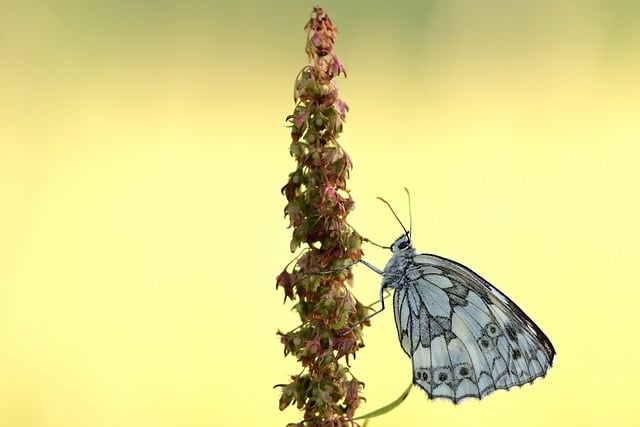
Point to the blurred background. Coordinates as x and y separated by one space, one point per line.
143 148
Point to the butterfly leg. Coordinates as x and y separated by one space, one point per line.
351 264
368 264
382 291
383 288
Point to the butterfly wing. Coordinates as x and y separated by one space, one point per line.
465 338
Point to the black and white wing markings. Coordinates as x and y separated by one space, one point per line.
465 338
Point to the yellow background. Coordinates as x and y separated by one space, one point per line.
143 147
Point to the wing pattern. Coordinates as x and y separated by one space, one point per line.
465 338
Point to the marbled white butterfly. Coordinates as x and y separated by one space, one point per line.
465 338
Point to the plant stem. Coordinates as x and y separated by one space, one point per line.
318 205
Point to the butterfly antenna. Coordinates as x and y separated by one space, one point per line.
410 216
394 214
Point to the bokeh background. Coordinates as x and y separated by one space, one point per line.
142 151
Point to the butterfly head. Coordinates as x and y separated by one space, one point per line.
402 243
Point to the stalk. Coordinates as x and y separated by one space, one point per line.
318 202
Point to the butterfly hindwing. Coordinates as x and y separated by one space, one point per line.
465 338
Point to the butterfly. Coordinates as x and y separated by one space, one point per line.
465 338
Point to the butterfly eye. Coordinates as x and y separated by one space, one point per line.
403 245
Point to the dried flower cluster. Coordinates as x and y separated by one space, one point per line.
318 204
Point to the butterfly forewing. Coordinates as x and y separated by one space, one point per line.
465 338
